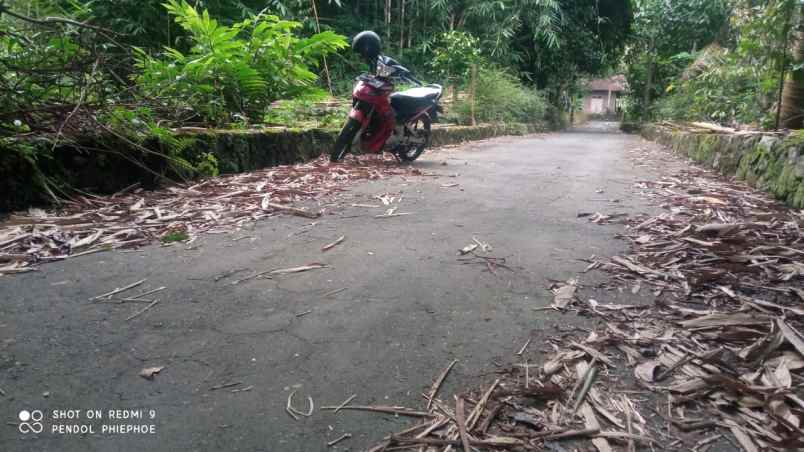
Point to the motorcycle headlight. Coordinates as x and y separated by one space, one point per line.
384 70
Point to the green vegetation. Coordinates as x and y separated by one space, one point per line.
714 60
233 70
109 82
175 236
453 58
501 99
314 109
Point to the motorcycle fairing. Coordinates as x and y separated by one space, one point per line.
370 106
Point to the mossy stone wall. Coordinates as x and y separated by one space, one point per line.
247 150
770 162
235 151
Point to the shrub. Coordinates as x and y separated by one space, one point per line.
501 97
454 55
237 69
719 87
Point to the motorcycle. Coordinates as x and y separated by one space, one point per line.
381 119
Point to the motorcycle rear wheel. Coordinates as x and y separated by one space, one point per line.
421 128
344 142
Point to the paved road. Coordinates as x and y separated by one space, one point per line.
408 308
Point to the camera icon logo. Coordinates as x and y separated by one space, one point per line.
31 421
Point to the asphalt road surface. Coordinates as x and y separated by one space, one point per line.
408 307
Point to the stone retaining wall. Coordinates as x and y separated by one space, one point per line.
235 150
771 162
239 151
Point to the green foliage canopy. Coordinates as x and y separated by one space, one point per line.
665 36
718 61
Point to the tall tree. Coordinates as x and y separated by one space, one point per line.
663 29
792 100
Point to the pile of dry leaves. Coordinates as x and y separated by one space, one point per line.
725 263
716 359
135 217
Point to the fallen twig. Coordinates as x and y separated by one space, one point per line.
481 405
564 434
459 418
396 410
136 314
247 388
339 439
289 406
522 350
150 292
345 402
333 292
588 380
437 384
507 443
391 215
296 413
293 210
484 426
256 275
118 290
225 385
329 246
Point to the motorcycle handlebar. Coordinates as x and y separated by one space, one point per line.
409 77
405 77
416 81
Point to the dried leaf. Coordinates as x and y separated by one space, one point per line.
761 348
709 200
745 441
148 373
646 371
724 319
781 410
791 335
468 248
215 205
565 294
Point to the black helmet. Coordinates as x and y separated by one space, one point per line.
367 44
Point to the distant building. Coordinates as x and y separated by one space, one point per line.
604 96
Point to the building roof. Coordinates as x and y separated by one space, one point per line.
615 83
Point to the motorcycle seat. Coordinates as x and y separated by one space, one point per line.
410 100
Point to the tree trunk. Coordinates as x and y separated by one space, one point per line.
792 102
415 11
318 30
649 80
402 24
572 112
648 88
388 22
473 91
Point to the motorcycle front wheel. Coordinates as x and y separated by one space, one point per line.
419 130
344 142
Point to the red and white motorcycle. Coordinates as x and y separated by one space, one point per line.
381 119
